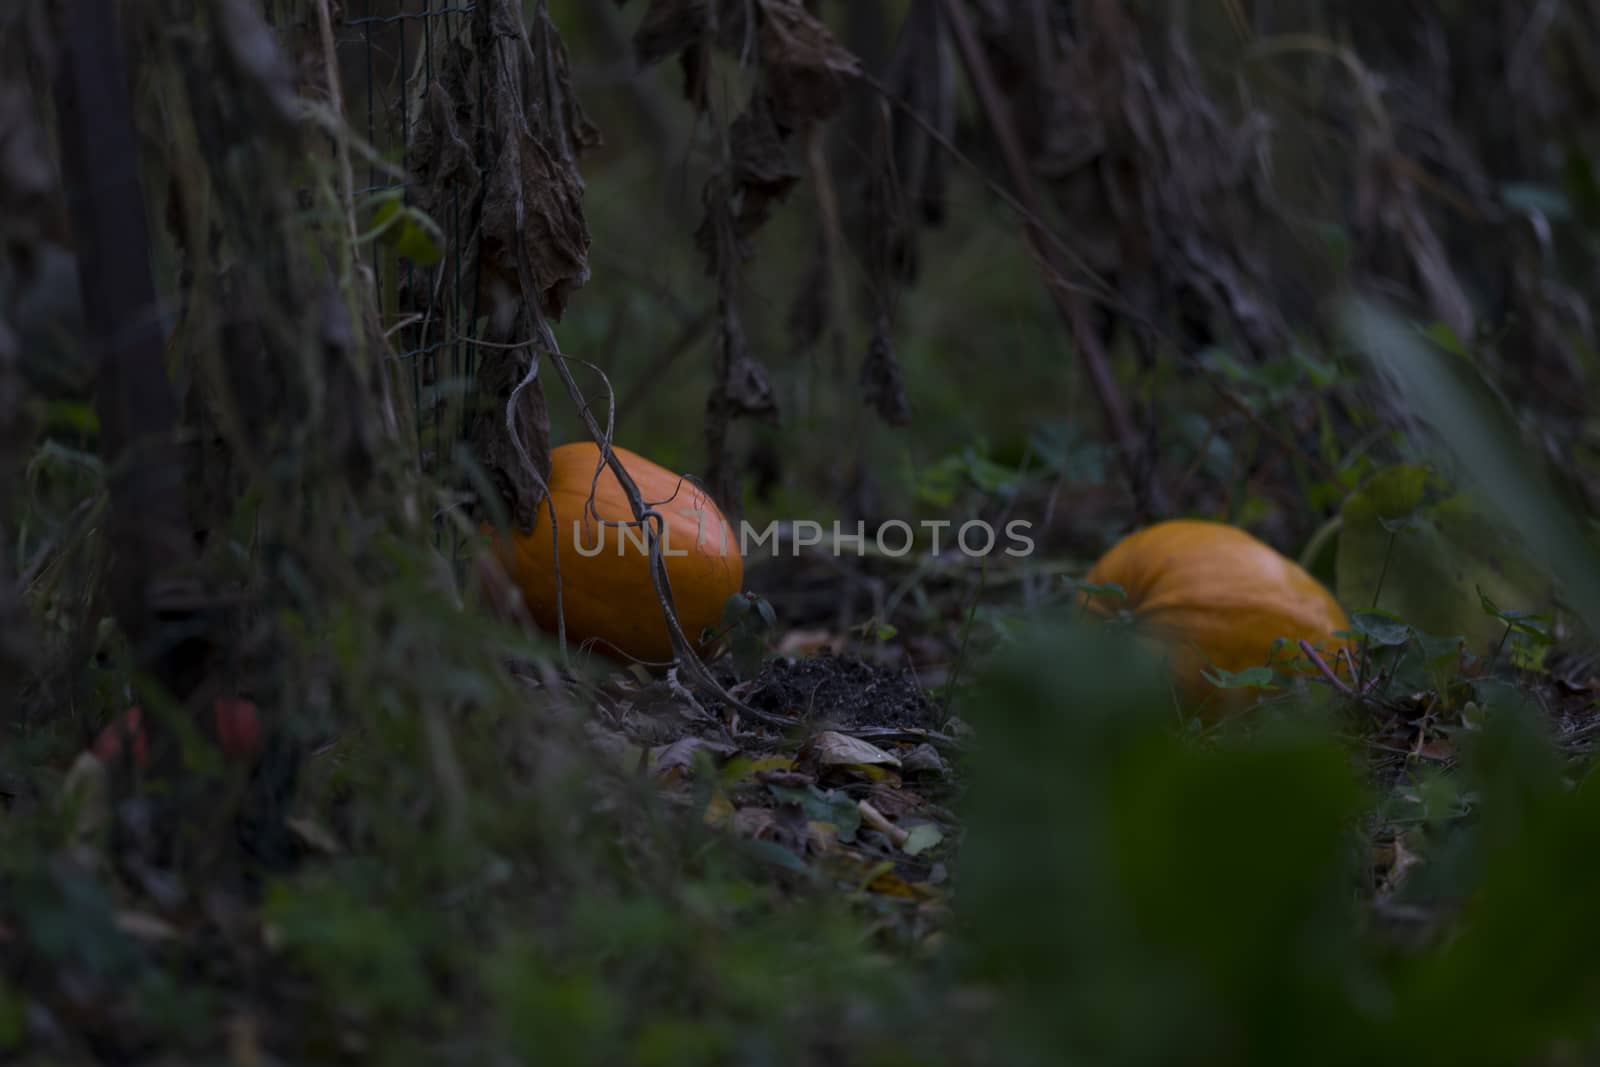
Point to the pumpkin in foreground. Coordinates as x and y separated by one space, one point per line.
1212 595
607 596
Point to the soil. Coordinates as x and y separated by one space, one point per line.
843 692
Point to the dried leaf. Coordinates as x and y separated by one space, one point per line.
1397 860
536 201
314 835
720 812
882 381
888 883
804 66
244 1042
757 824
895 802
801 643
529 246
678 757
822 837
763 171
921 838
668 27
1437 749
833 749
146 927
743 770
85 792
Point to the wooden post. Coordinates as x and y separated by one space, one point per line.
148 525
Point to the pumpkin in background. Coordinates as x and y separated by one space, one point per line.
1212 595
606 592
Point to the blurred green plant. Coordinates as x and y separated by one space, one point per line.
1472 431
1201 900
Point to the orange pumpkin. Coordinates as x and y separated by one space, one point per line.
606 593
1211 595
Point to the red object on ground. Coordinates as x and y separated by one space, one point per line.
238 728
128 726
238 733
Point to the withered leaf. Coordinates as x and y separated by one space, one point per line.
762 162
678 756
535 199
923 836
833 749
882 381
528 246
803 64
763 172
668 27
671 26
748 389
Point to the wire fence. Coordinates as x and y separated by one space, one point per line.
432 313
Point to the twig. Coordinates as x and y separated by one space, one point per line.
880 822
42 557
1333 679
966 634
895 733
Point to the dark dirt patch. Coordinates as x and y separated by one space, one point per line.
844 692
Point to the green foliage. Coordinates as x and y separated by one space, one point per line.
748 623
1200 900
470 881
1472 429
366 953
944 482
1412 546
1150 928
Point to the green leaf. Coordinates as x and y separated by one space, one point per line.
775 854
1580 186
420 239
407 231
1446 338
1522 622
1439 651
1380 628
72 415
13 1018
1471 427
819 806
1250 678
1420 551
988 475
1094 589
1070 452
